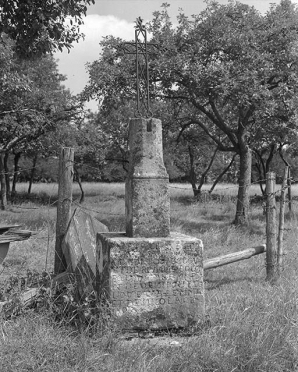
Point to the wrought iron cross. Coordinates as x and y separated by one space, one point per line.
140 48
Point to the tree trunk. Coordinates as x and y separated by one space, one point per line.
32 173
6 170
204 174
270 157
222 174
263 166
16 160
192 172
3 183
241 217
263 191
78 178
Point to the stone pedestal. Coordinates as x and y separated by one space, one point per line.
152 283
147 202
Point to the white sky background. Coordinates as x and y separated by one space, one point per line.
116 17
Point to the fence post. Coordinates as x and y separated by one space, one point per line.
3 183
289 182
281 221
270 227
65 175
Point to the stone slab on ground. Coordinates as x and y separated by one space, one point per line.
79 249
152 283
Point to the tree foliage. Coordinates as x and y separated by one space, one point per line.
34 108
40 26
234 69
35 105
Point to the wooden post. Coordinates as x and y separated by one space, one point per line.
270 227
3 183
289 191
281 221
66 161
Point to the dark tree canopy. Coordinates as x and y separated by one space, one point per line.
38 26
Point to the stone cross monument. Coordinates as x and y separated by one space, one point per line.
150 277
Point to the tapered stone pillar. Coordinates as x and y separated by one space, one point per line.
146 195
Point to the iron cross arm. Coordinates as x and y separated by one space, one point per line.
140 48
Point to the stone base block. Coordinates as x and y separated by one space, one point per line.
152 283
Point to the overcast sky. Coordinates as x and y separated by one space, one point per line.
116 17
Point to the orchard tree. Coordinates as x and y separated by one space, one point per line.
32 111
26 114
233 66
40 26
236 68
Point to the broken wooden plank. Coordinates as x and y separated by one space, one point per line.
10 236
233 257
4 228
13 235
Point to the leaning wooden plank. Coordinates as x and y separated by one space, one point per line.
233 257
4 228
10 239
20 234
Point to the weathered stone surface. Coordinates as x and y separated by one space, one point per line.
152 283
79 249
148 214
147 201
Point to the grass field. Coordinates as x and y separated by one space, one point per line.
252 326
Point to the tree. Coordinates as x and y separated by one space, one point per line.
232 66
26 114
40 26
33 109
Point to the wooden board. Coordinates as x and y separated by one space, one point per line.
4 228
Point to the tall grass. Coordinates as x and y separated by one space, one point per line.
250 325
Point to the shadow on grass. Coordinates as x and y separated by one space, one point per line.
218 217
195 227
218 221
184 200
211 284
41 198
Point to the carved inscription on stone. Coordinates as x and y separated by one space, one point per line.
162 275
